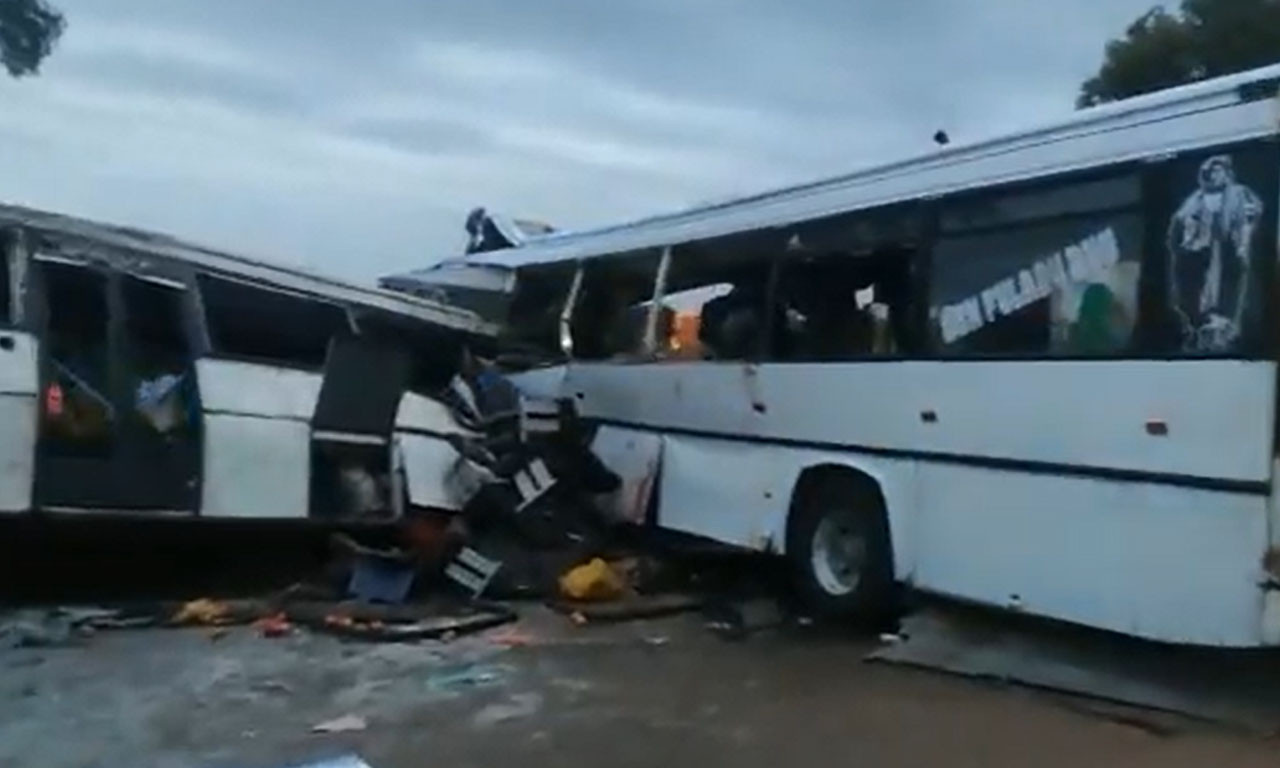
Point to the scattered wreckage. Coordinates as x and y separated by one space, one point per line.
142 376
1034 373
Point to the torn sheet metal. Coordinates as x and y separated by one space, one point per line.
635 457
1240 688
418 413
733 492
429 463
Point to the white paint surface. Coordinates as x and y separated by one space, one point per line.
545 383
228 386
18 415
19 374
419 412
19 409
635 457
255 467
428 463
1219 413
730 492
741 493
1156 561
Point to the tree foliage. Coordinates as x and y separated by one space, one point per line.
1204 38
28 31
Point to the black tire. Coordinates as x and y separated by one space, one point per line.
851 508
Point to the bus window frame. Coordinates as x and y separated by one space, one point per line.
12 258
581 285
215 350
775 252
815 236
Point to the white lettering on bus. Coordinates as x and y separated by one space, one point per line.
1084 262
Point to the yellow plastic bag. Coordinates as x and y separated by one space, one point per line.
596 580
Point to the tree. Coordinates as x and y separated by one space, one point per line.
1205 38
28 31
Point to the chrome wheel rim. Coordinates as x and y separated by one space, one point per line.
838 552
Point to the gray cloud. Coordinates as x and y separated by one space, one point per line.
353 137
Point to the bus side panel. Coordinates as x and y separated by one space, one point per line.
635 457
257 452
1202 418
545 383
19 387
228 386
1171 563
256 467
740 492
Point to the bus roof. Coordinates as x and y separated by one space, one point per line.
1127 130
67 230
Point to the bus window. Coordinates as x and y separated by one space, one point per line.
1053 280
1217 236
844 287
680 324
531 334
714 305
841 306
269 326
77 407
159 359
611 314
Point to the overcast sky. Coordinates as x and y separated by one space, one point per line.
352 137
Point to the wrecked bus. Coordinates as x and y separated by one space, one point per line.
1037 372
142 375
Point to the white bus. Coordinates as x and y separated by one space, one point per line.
144 376
1037 372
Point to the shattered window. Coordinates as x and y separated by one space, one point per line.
77 403
844 287
611 314
1063 284
159 358
716 298
269 325
532 333
844 307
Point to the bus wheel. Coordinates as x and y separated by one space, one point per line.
838 548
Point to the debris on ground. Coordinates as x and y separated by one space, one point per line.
37 628
531 522
63 625
202 611
377 575
630 608
596 580
344 724
472 571
737 619
461 677
275 625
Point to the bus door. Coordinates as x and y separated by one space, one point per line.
118 426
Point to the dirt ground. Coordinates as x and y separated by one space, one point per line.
546 693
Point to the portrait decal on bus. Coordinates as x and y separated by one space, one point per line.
1210 241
